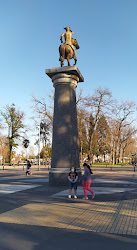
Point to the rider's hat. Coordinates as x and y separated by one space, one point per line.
66 28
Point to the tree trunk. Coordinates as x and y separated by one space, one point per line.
91 144
104 157
10 154
115 157
81 149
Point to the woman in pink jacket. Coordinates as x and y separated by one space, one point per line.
87 181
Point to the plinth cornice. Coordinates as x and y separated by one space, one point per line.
70 70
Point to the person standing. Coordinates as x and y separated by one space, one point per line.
73 177
28 172
87 181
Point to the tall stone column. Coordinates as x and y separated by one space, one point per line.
65 151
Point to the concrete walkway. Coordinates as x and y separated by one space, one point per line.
37 216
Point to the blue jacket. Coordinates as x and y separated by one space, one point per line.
86 176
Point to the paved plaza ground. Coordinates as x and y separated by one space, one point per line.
34 215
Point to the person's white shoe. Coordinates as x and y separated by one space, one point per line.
75 197
85 198
69 196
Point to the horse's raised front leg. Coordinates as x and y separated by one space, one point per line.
74 56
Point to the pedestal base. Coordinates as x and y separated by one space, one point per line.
59 177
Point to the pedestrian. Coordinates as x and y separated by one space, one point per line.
73 178
86 178
28 171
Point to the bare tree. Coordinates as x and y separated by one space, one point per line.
40 109
25 144
100 102
82 132
43 116
127 138
129 148
122 122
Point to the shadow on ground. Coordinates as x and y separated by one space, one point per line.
35 238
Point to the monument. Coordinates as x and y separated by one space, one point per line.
65 150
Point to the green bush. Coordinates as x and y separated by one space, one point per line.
101 164
123 164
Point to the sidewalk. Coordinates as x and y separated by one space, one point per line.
42 217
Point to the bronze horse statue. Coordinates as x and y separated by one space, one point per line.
67 52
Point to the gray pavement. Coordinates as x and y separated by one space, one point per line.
34 215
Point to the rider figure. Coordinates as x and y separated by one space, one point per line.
68 39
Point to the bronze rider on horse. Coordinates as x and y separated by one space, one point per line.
67 50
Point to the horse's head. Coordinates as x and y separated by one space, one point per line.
75 43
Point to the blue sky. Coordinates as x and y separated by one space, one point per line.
106 31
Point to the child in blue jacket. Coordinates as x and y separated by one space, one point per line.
73 177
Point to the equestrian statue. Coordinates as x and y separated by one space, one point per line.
67 50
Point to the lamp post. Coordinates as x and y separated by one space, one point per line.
39 148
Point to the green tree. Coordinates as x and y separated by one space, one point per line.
46 152
103 136
14 120
3 148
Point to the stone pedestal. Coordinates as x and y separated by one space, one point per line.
65 151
